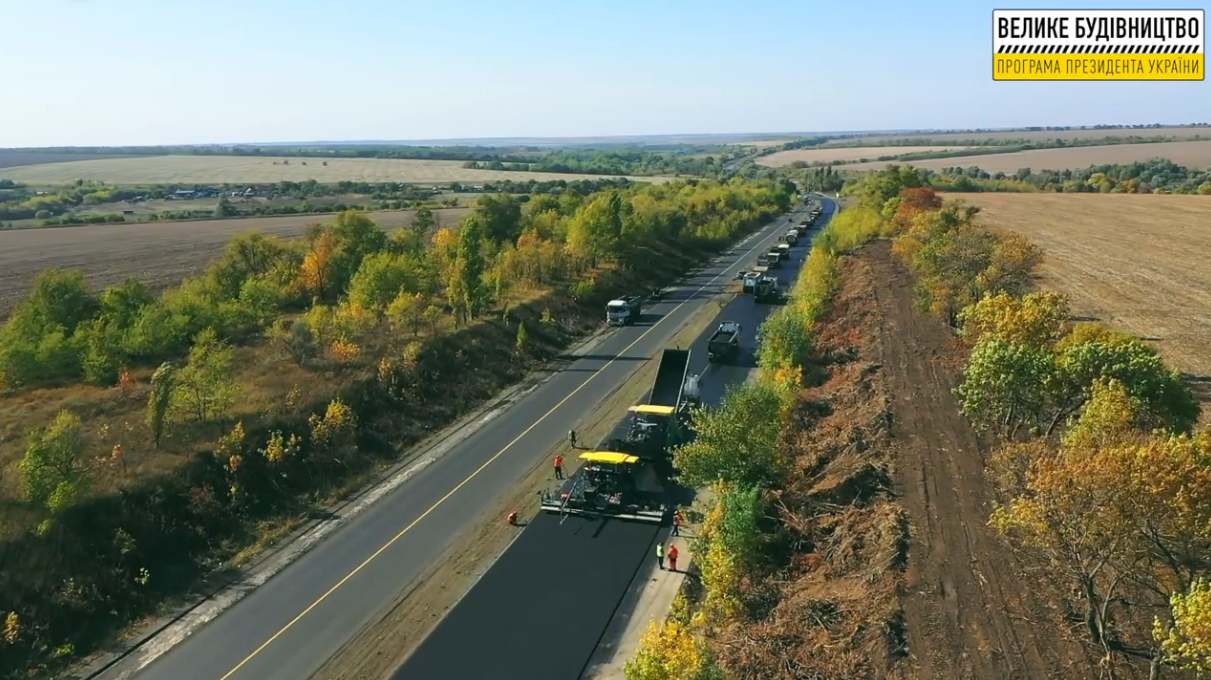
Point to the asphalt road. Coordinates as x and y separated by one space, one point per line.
287 628
543 607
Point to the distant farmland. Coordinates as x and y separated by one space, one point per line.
1191 154
159 253
826 154
11 158
958 137
257 169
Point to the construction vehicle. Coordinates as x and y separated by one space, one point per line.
625 479
724 345
659 424
772 259
624 311
791 237
766 290
611 484
784 251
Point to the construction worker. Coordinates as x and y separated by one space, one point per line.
513 518
559 466
572 437
660 555
677 523
672 557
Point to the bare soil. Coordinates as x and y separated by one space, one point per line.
385 643
968 610
891 570
159 253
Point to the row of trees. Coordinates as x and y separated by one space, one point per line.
346 293
1159 175
739 455
19 202
1102 479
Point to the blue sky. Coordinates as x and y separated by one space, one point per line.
111 72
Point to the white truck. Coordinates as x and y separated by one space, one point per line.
624 311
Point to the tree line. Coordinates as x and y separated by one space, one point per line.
21 202
348 294
1159 175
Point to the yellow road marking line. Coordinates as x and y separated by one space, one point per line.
473 475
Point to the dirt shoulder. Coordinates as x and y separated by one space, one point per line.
968 610
886 567
387 640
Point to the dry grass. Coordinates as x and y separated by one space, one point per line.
1196 154
253 170
160 253
1136 262
824 155
957 137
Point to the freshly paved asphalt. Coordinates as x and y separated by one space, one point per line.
288 627
541 610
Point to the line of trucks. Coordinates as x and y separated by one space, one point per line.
627 478
757 281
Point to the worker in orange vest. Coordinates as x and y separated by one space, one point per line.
672 557
677 523
559 466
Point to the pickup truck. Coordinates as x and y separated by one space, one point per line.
724 345
624 311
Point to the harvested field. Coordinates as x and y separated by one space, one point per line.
160 253
11 158
1135 262
824 155
250 170
958 137
1195 154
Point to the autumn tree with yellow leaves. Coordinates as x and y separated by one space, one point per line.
1122 519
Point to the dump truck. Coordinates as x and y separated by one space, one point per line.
660 423
784 250
791 237
766 290
624 311
724 345
772 259
611 484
